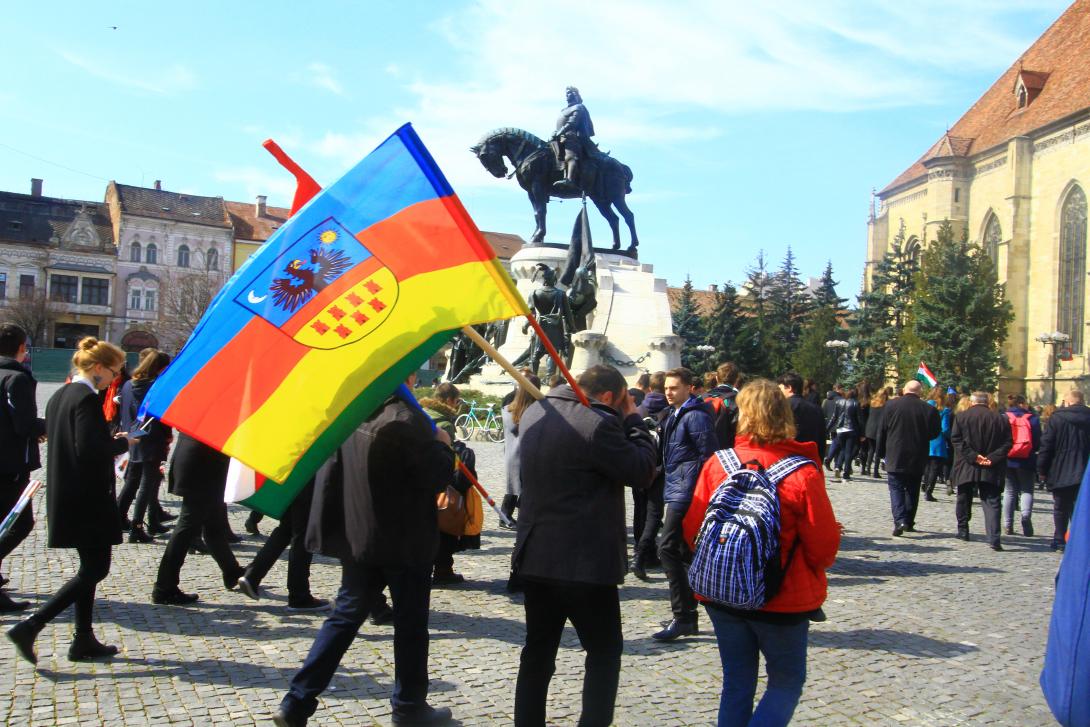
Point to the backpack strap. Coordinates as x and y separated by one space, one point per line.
729 459
782 468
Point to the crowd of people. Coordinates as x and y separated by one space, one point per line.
727 477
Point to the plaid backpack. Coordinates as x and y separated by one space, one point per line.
737 558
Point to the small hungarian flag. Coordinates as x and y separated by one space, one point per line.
924 374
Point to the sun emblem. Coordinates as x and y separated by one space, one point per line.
328 237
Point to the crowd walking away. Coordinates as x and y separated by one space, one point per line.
729 480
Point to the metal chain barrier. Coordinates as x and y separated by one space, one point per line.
632 364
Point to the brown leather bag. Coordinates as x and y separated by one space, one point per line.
451 506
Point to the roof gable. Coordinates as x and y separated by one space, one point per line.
163 205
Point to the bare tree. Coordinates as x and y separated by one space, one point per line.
33 313
183 299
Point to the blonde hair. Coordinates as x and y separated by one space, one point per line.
963 404
764 413
91 351
879 400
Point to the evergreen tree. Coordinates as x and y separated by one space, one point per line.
734 334
758 305
813 359
882 337
826 296
789 305
689 325
960 313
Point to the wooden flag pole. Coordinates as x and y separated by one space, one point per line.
507 366
556 357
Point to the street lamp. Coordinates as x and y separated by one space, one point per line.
706 350
839 349
1053 339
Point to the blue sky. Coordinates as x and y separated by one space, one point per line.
746 127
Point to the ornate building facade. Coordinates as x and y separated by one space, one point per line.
1014 171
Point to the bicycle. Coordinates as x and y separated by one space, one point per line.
479 420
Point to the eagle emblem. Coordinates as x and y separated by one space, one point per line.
305 278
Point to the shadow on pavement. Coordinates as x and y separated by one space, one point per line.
878 568
897 642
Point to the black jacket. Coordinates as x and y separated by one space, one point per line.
374 500
809 422
576 462
80 497
845 416
874 422
197 470
829 405
153 446
20 425
1065 447
908 425
979 430
724 413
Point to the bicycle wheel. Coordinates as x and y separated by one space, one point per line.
494 429
463 427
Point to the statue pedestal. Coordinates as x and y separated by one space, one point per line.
631 328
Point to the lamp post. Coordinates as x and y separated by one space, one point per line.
705 349
839 349
1054 339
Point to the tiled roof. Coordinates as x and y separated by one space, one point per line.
1056 63
163 205
505 244
36 220
705 300
248 226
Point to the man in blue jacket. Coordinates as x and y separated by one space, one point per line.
687 438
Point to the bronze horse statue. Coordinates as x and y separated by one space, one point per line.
602 178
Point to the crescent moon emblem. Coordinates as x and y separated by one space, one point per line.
254 299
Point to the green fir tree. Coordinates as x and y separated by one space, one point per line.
734 334
790 305
960 313
813 359
690 326
757 303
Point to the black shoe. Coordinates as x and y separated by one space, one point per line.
1027 528
281 719
4 581
426 714
158 529
310 603
233 537
86 646
7 605
173 598
165 517
251 528
910 528
22 635
447 579
512 526
252 590
639 571
997 547
382 616
138 535
1057 547
828 466
929 497
198 546
126 524
676 629
1009 530
847 478
963 535
898 531
230 580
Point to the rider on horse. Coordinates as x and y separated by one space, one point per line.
573 132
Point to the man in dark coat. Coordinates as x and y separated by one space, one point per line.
686 439
908 425
198 474
809 420
647 505
570 548
981 439
374 510
1061 461
20 429
721 402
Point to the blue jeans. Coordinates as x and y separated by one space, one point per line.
784 649
410 589
904 496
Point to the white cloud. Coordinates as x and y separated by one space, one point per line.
163 81
321 76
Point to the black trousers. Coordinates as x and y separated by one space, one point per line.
94 565
291 530
200 513
675 556
845 449
141 485
444 556
931 475
646 545
639 514
11 487
1063 507
595 613
990 501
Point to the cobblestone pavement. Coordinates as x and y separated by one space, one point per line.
922 630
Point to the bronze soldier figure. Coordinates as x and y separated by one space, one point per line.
553 312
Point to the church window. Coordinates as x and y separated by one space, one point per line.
993 235
134 252
913 250
183 256
152 254
1072 289
213 259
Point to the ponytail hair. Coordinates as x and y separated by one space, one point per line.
91 351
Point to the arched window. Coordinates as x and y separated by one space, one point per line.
152 254
1072 267
134 298
183 256
913 250
993 235
134 252
213 259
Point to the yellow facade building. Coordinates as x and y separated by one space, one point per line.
1015 172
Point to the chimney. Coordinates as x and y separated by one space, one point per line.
35 187
158 185
714 287
261 205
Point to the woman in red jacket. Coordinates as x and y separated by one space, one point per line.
779 631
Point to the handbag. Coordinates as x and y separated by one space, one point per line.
451 507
